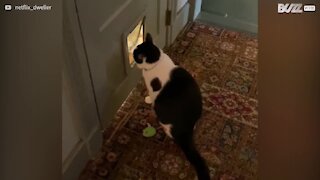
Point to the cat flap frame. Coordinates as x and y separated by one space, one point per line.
133 37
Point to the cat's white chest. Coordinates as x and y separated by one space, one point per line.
162 71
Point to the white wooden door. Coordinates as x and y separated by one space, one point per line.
179 12
105 26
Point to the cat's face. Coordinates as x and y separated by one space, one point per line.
146 54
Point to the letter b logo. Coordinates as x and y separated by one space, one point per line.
281 8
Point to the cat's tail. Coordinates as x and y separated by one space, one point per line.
194 157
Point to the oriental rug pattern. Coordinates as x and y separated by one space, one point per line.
224 63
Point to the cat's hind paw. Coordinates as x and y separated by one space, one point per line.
148 100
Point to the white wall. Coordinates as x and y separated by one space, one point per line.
197 10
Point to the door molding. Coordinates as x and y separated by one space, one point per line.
114 15
178 20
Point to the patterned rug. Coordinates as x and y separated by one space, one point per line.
224 64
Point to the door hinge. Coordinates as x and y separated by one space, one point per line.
168 18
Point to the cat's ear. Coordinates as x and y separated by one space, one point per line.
149 38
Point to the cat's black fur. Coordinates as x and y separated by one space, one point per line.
148 49
179 103
156 84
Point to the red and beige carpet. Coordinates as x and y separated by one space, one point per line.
224 64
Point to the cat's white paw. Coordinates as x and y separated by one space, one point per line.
148 100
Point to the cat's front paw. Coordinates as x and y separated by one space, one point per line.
148 100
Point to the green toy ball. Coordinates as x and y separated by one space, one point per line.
149 131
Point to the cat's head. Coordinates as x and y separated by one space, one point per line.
146 54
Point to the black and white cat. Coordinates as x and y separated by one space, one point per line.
175 97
